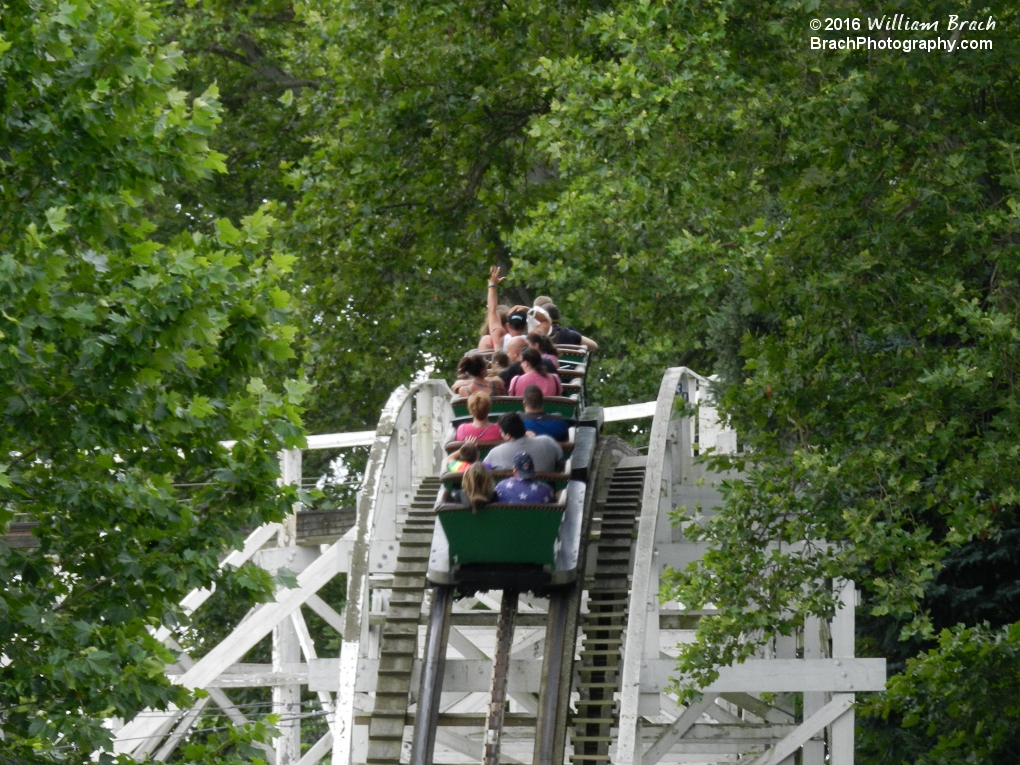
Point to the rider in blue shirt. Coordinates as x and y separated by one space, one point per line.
537 421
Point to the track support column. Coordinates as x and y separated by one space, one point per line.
423 741
500 671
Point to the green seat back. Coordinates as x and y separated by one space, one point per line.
502 534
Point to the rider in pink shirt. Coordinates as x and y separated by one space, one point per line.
535 374
479 427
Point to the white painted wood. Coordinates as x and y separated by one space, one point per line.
308 649
738 732
839 705
758 707
268 615
140 748
286 648
291 557
676 731
723 715
236 558
841 733
781 676
463 745
708 426
813 751
180 731
628 412
145 730
218 696
347 676
355 631
318 750
341 440
463 645
326 612
287 698
628 751
385 493
252 675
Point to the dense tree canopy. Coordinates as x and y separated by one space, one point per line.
834 234
126 358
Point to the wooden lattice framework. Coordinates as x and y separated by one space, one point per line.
730 721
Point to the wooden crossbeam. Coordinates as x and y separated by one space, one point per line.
841 704
676 730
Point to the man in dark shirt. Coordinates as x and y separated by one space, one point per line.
514 346
537 421
559 334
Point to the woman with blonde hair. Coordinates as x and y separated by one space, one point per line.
477 487
479 427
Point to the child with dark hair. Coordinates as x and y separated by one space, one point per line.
466 456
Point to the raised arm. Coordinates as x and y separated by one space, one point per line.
496 330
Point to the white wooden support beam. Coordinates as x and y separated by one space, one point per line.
841 734
286 648
675 732
287 698
628 412
813 751
628 748
266 616
757 707
781 676
356 609
180 731
340 440
722 715
318 750
161 723
464 745
463 645
308 649
326 612
841 703
236 559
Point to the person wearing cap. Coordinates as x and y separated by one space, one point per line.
523 488
545 452
516 322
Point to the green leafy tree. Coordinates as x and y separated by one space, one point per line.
836 235
953 703
127 357
418 169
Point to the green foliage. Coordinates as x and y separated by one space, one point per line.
417 170
250 51
878 410
125 358
837 235
954 703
